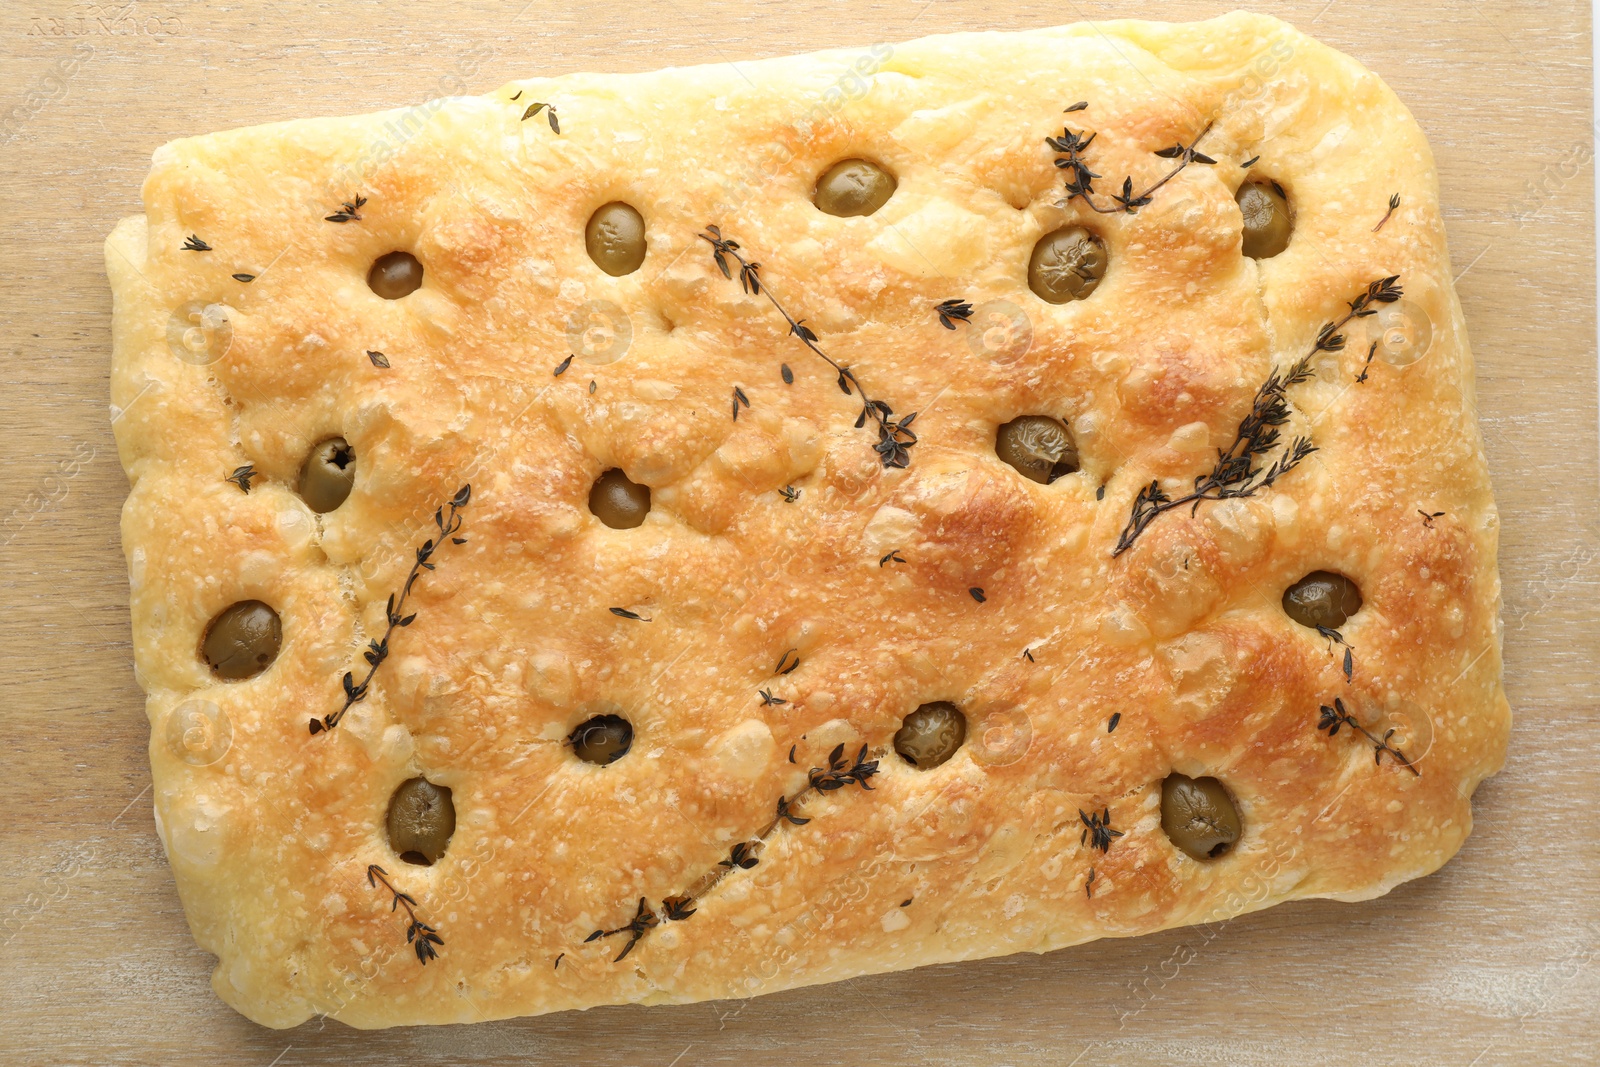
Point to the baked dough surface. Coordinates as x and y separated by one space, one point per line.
270 830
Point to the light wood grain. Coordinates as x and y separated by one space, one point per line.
1490 961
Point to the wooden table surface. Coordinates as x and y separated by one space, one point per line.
1490 961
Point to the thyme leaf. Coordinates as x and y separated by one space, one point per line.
349 211
241 476
952 310
548 109
1097 831
1336 638
643 919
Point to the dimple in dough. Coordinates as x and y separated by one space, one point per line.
270 830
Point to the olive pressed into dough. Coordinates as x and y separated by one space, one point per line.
931 735
614 237
394 275
1198 815
328 474
1066 265
1322 599
602 739
618 501
421 819
1266 218
243 640
853 187
1040 448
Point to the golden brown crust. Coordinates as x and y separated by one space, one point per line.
270 830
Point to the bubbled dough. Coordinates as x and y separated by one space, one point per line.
1183 635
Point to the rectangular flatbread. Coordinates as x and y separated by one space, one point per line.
686 535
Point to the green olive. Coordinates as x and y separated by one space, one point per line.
603 739
930 735
394 275
853 187
1266 219
1198 815
1066 265
243 640
421 819
619 503
615 238
328 474
1041 448
1322 598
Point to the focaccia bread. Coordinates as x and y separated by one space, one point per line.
546 598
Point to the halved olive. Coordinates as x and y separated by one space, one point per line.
930 735
853 187
1266 218
1041 448
1199 816
421 819
615 238
603 739
1322 598
619 503
395 274
243 640
1066 265
328 474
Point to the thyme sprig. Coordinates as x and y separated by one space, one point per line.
1238 471
1394 202
895 436
192 243
419 935
643 919
840 773
1335 717
378 650
1097 831
1080 179
952 310
349 211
